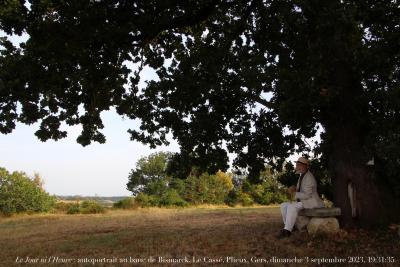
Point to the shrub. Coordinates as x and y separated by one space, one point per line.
172 198
232 198
274 192
145 200
279 197
74 208
91 207
178 185
257 192
126 203
157 187
191 193
62 206
219 186
245 199
86 207
207 188
19 193
266 193
226 181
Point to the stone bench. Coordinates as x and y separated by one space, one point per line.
319 220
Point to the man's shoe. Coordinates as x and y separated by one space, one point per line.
284 234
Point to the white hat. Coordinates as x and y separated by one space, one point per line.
302 160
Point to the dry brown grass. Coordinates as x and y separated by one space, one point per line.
206 231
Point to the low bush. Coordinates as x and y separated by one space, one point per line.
172 198
126 203
245 199
73 208
270 191
62 206
91 207
86 207
145 200
232 198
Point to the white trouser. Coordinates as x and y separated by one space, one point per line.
289 212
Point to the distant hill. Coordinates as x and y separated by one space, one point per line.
96 198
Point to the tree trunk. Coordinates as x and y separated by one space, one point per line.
353 179
345 119
367 202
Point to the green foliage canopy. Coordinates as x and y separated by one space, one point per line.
226 58
76 55
150 173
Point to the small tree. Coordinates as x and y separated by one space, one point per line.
19 193
149 171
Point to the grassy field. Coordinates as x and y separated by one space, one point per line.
203 236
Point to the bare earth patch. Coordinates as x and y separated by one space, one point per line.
203 236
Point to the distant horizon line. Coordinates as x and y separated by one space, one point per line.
91 196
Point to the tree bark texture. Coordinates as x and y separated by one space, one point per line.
348 165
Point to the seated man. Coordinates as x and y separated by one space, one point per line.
306 196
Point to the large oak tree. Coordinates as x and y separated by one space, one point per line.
254 78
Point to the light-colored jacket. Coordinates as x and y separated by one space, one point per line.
308 194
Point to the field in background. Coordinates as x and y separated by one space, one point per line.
104 201
206 233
